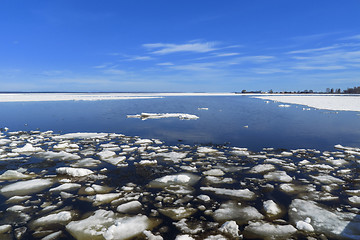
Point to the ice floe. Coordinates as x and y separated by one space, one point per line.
181 116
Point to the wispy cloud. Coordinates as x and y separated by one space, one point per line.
165 64
313 50
227 54
112 71
167 48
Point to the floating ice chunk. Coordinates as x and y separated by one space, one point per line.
132 207
304 226
182 179
206 150
284 105
17 208
268 231
14 175
62 218
148 162
189 228
150 236
125 228
204 198
115 160
172 156
230 228
333 224
108 225
203 108
80 135
245 194
27 149
262 168
184 237
214 172
4 141
58 155
234 211
354 200
5 228
240 152
327 179
17 199
65 187
106 154
271 208
74 172
26 187
182 116
100 199
53 236
278 176
286 154
177 213
86 163
143 142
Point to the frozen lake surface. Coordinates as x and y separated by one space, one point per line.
178 167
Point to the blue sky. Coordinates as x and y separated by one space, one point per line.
150 45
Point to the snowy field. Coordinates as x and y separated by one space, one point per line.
40 97
328 102
111 186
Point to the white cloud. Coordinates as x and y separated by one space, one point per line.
227 54
313 50
325 68
113 71
165 64
166 48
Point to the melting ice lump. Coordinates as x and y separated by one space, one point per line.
237 212
74 172
181 179
108 225
26 187
268 231
334 224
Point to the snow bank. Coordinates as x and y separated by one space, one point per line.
328 102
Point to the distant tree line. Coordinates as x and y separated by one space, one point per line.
354 90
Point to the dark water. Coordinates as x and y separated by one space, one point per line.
268 124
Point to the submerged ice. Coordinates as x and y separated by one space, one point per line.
112 186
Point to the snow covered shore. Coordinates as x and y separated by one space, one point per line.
327 102
42 97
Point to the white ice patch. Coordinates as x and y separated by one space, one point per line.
132 207
81 135
57 218
271 208
74 172
65 187
14 175
230 228
108 225
26 187
27 149
245 194
182 116
262 168
239 213
328 102
278 176
214 172
333 224
266 230
58 155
